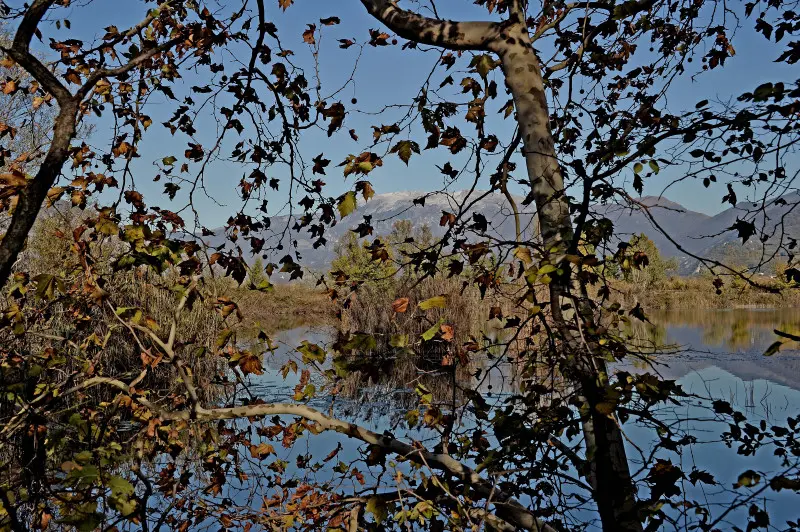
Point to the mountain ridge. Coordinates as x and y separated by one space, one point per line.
696 233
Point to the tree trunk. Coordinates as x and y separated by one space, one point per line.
32 196
608 469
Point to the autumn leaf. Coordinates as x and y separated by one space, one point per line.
362 164
447 333
308 35
744 228
346 204
250 363
400 305
284 4
13 179
261 451
319 164
434 302
447 218
365 187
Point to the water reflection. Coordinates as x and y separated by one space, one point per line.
720 356
731 340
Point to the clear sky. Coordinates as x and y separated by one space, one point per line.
385 75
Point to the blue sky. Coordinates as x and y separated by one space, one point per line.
386 75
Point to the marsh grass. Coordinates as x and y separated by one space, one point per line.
699 293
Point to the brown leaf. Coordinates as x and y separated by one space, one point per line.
308 35
13 179
448 218
447 333
250 363
400 305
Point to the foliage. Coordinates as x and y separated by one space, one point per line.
645 267
571 102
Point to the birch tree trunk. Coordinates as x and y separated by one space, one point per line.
607 465
608 473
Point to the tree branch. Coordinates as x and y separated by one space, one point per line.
443 33
20 51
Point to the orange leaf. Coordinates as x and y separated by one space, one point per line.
447 332
400 305
14 179
308 35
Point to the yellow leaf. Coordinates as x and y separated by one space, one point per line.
347 204
434 302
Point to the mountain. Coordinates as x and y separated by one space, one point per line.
385 210
710 236
694 232
675 219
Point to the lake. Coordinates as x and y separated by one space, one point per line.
713 354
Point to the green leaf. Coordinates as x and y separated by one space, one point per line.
763 92
223 338
360 342
106 226
430 333
434 302
654 166
311 352
404 149
133 233
377 507
347 204
483 64
545 269
638 167
263 286
774 348
748 479
46 285
398 340
169 161
120 486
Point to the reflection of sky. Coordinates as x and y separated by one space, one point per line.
758 399
752 383
732 340
723 359
761 387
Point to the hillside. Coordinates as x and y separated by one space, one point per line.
695 232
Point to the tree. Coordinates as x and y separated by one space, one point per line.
589 86
646 268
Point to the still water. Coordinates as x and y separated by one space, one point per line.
713 354
719 354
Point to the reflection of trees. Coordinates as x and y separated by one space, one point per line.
734 329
